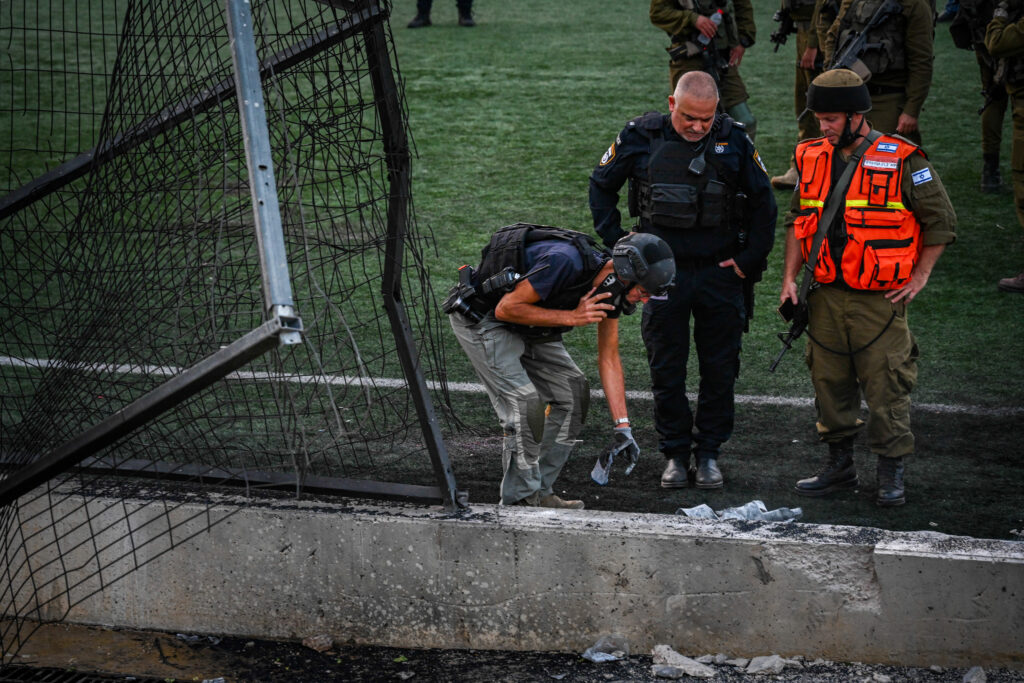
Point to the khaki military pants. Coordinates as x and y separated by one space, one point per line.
731 89
523 381
1017 153
807 125
885 115
884 373
993 115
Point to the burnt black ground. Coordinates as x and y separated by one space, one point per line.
171 658
965 478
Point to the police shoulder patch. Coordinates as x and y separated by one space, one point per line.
757 158
608 156
922 176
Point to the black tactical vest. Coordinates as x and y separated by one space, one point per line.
507 248
673 195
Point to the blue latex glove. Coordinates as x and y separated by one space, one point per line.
622 444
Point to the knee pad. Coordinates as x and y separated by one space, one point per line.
534 412
741 112
580 402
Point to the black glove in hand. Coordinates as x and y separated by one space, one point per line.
622 444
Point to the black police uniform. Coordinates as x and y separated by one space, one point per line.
701 217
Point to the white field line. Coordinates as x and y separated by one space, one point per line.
465 387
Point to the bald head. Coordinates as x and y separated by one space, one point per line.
693 105
698 85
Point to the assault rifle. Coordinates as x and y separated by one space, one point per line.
796 316
856 43
786 26
714 64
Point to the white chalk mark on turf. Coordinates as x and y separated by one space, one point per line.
462 387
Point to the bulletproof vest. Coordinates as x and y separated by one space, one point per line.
507 248
887 51
728 33
673 196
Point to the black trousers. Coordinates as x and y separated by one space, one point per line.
423 6
713 298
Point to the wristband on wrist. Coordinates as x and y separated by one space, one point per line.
622 421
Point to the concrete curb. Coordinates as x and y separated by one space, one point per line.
536 579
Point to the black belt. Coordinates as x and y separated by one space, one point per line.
878 89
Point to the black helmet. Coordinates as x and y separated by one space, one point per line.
838 90
646 260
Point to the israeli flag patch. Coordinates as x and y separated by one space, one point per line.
922 176
890 147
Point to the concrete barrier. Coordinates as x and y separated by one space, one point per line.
534 579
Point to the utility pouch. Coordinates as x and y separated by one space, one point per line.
713 208
674 206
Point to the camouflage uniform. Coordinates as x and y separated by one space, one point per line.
678 18
901 71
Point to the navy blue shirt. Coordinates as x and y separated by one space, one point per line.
627 157
564 268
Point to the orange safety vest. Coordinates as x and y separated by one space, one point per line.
883 236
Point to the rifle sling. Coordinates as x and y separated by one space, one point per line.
835 200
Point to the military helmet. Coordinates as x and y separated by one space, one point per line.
838 90
646 260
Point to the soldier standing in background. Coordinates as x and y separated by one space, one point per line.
808 65
710 36
1004 40
899 68
968 31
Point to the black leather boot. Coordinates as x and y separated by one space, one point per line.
991 181
708 474
677 472
838 473
419 21
890 482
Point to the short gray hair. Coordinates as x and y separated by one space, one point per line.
697 84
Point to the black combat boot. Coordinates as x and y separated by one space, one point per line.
991 181
838 473
419 21
677 472
708 475
466 18
890 482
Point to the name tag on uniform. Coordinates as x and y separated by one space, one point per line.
922 176
890 147
881 164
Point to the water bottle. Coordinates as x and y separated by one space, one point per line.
717 18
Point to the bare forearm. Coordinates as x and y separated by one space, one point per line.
609 366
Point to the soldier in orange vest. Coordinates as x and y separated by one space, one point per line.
869 218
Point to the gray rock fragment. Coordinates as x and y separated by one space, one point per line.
738 662
975 675
663 654
881 678
771 664
667 671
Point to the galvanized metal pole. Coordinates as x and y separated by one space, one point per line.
277 288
